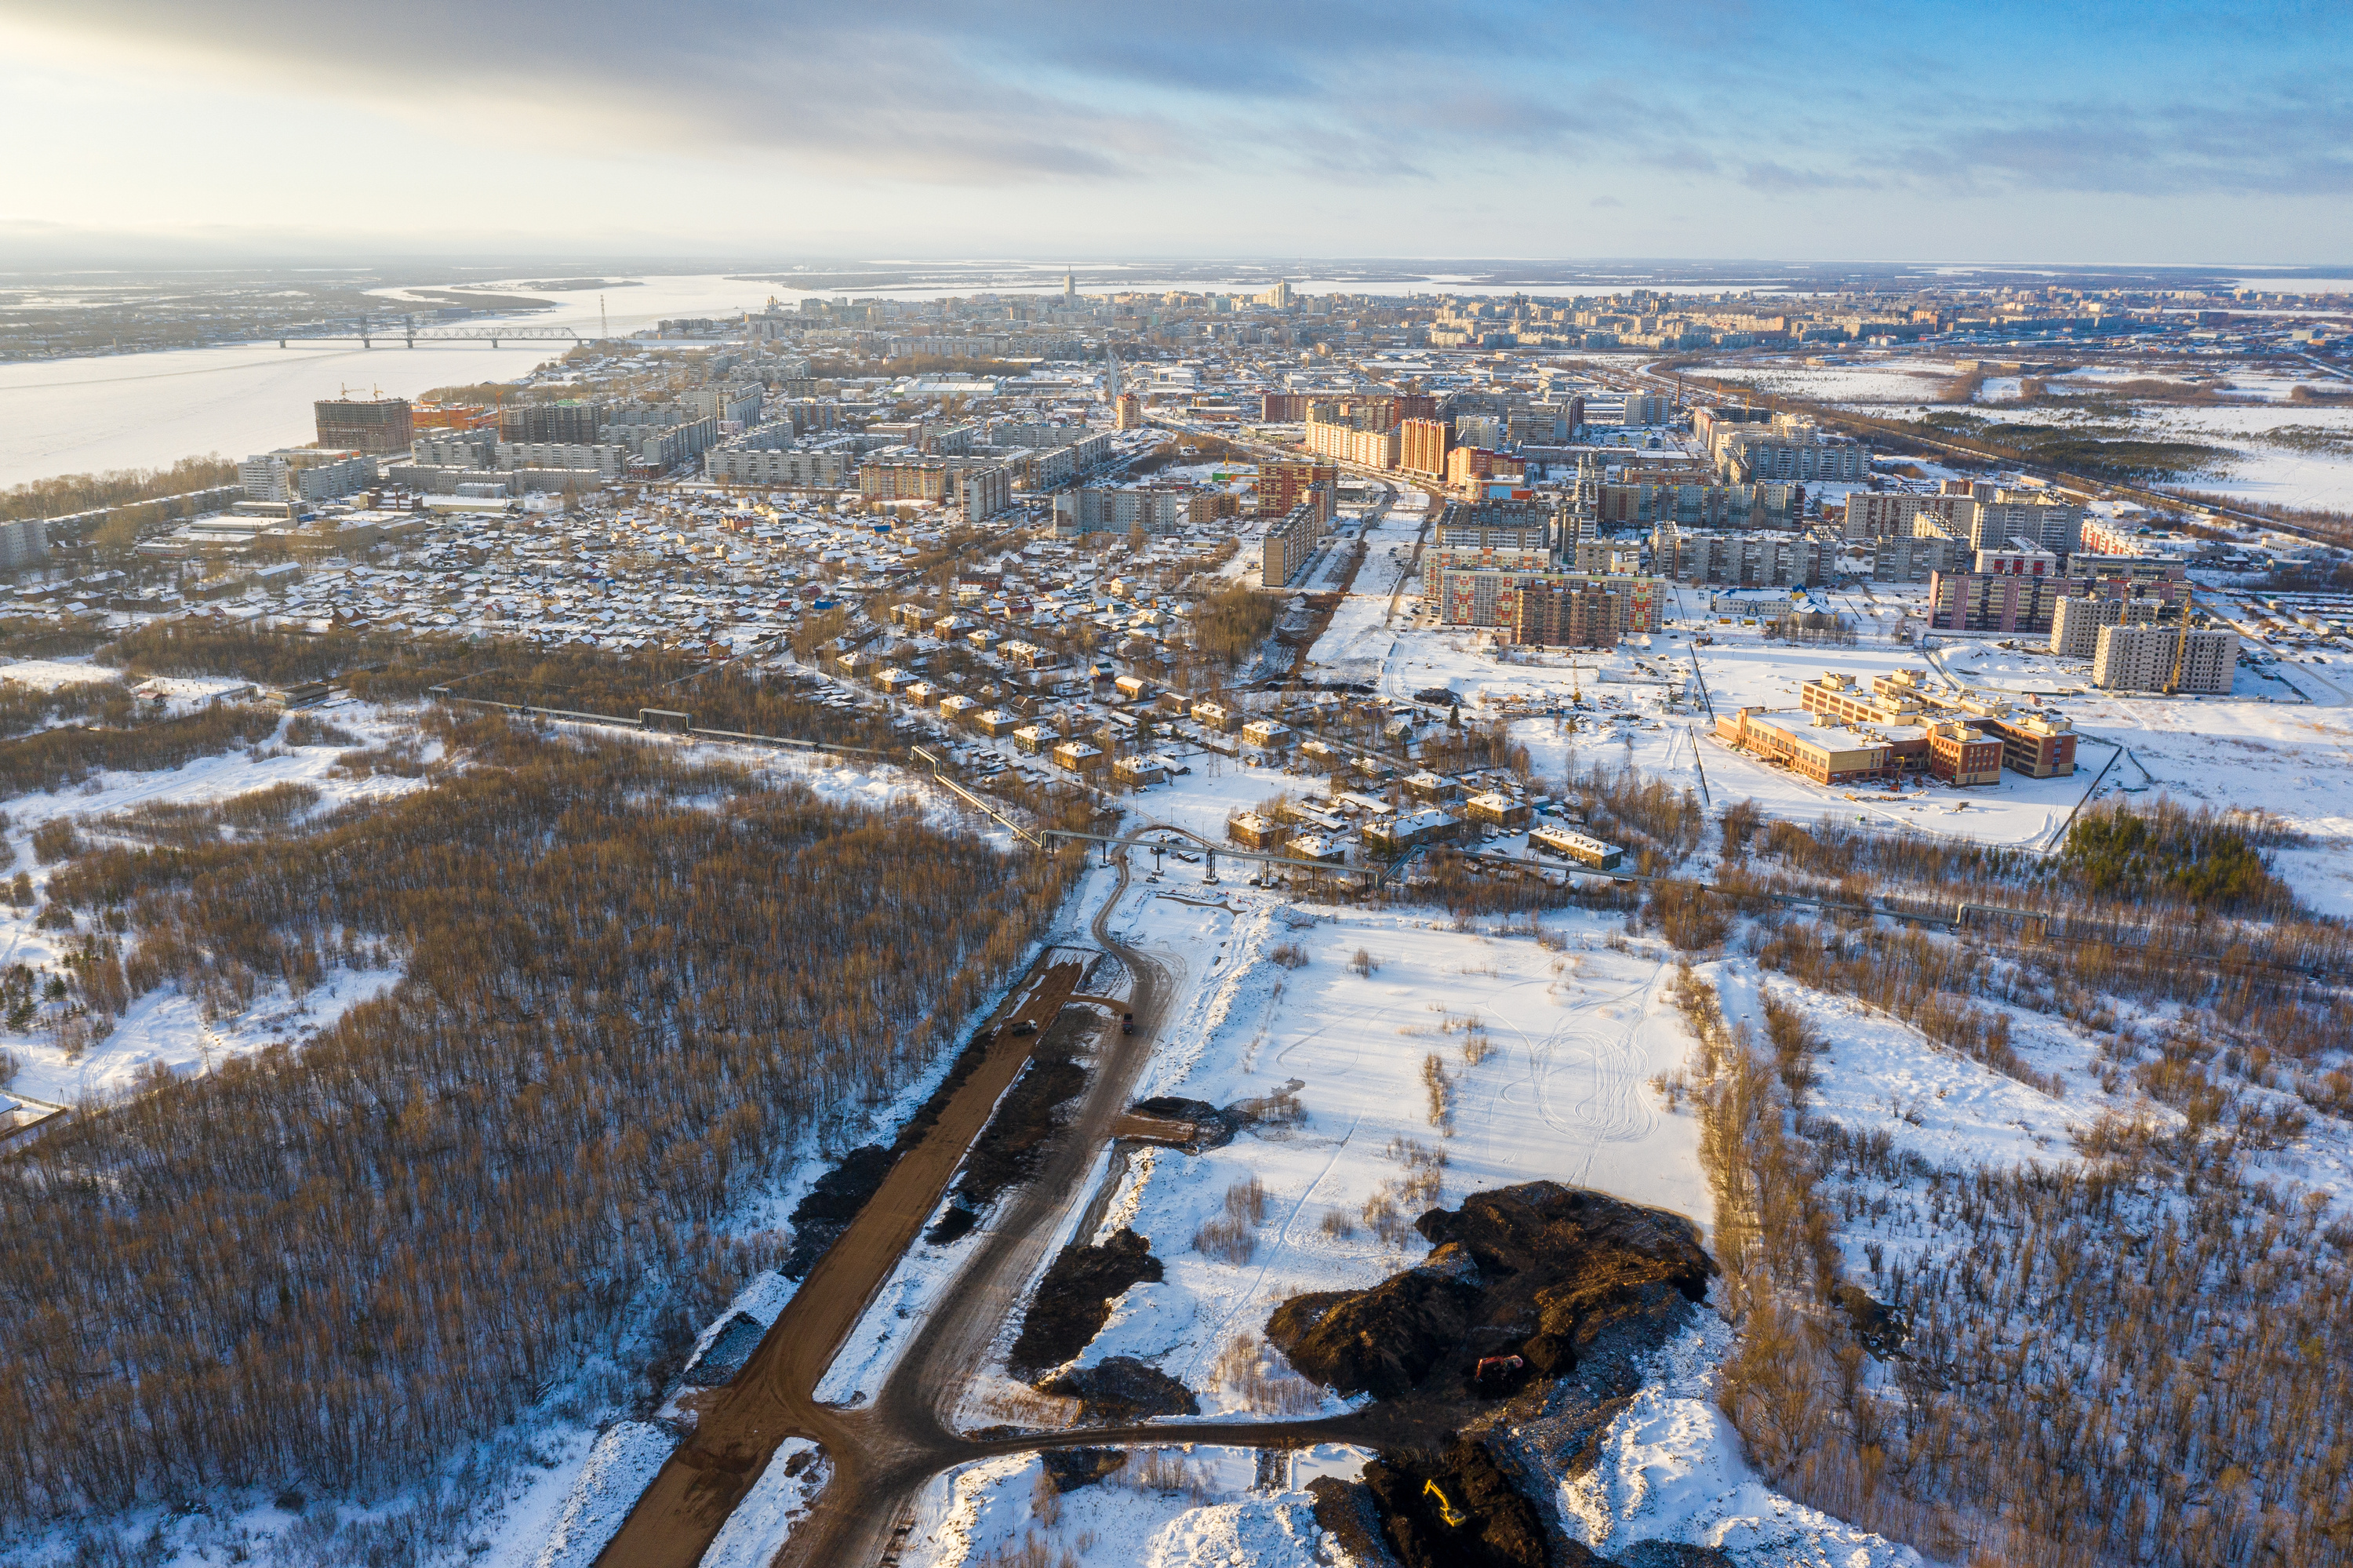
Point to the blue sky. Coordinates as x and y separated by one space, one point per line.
2150 132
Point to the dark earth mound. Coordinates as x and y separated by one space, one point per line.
1674 1554
1460 1513
1068 1469
1122 1390
1009 1148
1075 1297
953 1226
1345 1510
1549 1273
724 1357
1213 1129
842 1192
826 1211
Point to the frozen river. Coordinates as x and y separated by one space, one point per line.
147 410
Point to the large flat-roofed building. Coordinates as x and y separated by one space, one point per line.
1565 615
2040 746
579 420
1422 448
1495 526
1346 443
1810 746
2163 658
1757 559
371 425
305 473
1894 514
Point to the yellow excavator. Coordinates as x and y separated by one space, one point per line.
1454 1517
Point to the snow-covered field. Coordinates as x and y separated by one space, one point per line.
1448 1061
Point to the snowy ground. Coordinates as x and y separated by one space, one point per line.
1545 1051
1356 643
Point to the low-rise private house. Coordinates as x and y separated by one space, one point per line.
1585 847
954 706
1254 831
1498 810
1410 830
1268 734
1078 757
1427 786
1135 772
1037 739
1316 847
1214 715
996 723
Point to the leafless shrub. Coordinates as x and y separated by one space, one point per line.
1363 963
1246 1201
1227 1240
1441 1090
1265 1381
1290 955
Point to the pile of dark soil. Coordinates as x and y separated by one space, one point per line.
724 1357
1213 1129
1674 1554
1074 1300
1011 1145
821 1216
1549 1273
828 1207
1461 1511
1068 1469
1122 1390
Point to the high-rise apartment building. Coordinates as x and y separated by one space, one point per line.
2164 659
1422 448
2076 624
575 421
1283 484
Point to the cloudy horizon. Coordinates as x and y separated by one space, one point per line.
2165 134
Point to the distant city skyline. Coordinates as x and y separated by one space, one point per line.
2163 133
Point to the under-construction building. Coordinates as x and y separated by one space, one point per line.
371 425
2164 659
1567 615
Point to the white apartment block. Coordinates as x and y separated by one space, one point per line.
305 473
788 470
2076 624
2145 659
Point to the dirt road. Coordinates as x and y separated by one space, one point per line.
907 1436
772 1398
882 1455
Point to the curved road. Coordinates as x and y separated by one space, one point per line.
882 1455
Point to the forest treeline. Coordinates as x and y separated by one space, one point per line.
589 680
629 980
72 492
2124 1360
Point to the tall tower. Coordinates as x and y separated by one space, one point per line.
1069 285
